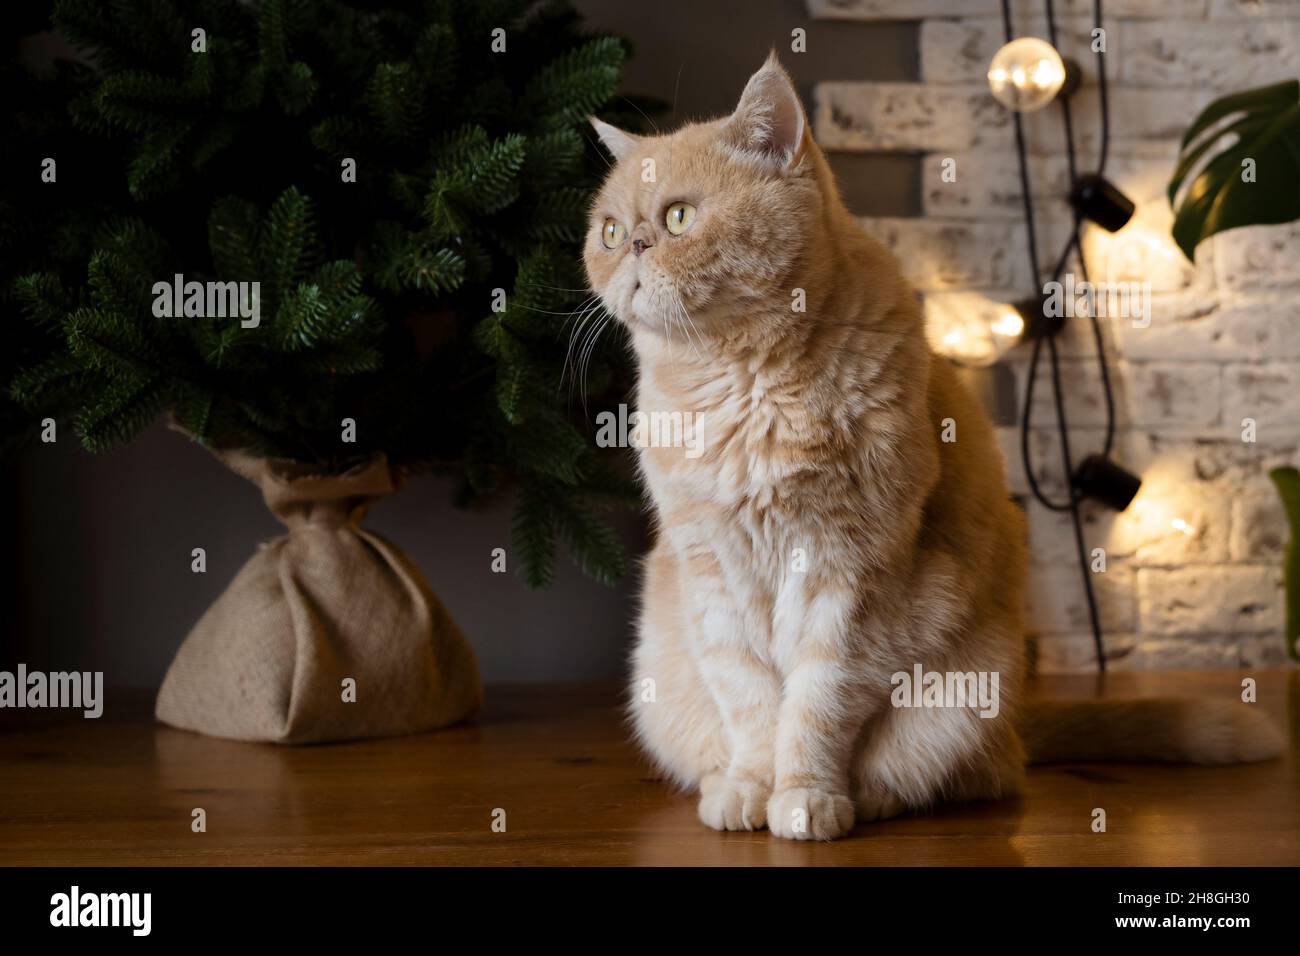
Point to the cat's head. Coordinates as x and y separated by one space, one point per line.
692 230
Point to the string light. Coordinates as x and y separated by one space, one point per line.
1018 82
1010 324
1159 511
971 329
1027 74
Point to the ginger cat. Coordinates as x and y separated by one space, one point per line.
824 537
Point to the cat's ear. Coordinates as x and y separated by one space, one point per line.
616 141
769 120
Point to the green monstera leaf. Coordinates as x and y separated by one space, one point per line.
1266 124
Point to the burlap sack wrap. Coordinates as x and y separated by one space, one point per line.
326 602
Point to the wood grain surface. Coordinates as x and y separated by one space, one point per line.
557 759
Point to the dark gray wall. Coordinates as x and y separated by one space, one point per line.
104 573
697 55
103 578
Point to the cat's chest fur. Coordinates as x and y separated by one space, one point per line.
743 490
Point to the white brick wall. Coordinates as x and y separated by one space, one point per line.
1223 343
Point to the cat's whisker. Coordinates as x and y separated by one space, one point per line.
601 152
681 307
529 308
555 288
580 316
668 337
580 313
583 356
677 317
653 124
590 351
582 329
582 338
588 311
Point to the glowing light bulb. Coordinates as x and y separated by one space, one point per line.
1026 74
968 328
1009 324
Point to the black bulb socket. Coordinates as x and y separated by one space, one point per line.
1099 478
1098 200
1073 78
1038 323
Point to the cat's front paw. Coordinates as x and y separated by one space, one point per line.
733 803
807 813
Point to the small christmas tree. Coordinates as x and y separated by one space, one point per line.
405 182
40 231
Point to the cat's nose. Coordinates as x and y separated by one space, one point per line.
642 238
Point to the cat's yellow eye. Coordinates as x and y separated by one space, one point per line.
679 218
612 234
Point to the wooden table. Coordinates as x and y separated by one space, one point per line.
120 790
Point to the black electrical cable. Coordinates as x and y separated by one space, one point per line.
1075 240
1102 151
1071 245
1076 521
1072 505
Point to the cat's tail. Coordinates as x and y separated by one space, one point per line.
1166 730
